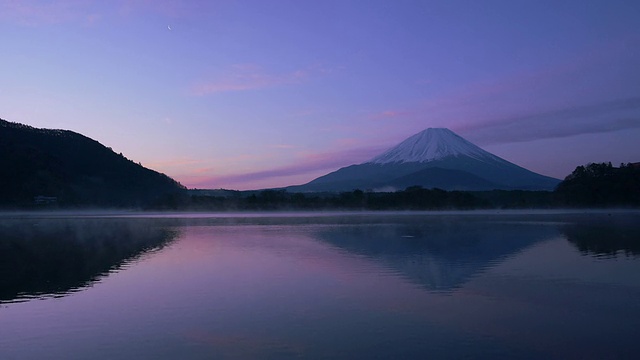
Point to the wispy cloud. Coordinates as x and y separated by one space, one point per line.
518 107
599 118
595 91
241 77
305 164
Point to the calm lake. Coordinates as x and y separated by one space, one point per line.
533 285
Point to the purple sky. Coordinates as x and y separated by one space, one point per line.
253 94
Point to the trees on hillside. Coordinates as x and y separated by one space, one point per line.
601 184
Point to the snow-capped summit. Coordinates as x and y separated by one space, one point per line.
432 158
428 145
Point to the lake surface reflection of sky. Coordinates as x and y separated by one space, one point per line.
410 285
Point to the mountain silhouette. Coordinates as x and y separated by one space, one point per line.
69 169
435 157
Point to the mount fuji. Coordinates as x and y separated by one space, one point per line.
432 158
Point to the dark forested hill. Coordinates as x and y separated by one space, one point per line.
602 184
69 169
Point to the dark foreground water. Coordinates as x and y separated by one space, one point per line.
331 286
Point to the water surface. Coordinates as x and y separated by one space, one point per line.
386 285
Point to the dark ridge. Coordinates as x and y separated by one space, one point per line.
44 167
436 177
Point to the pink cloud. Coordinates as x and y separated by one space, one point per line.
307 163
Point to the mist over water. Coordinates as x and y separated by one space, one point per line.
42 257
320 285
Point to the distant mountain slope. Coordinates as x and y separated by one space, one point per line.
460 165
73 169
435 177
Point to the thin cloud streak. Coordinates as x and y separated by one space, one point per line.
482 110
569 122
306 164
593 119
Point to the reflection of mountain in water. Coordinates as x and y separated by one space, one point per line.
438 254
58 256
608 235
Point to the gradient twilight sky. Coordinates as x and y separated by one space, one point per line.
264 93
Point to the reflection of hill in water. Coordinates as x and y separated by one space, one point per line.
57 256
439 254
606 236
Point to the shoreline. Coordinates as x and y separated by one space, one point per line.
103 213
